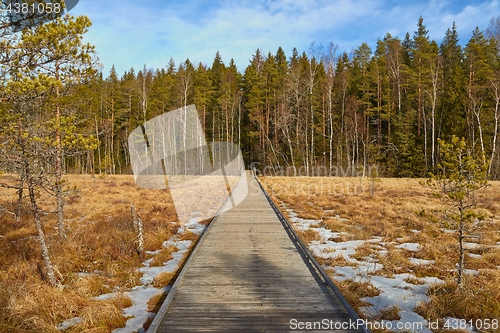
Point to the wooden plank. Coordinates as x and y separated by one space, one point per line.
248 276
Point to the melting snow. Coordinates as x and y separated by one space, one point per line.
193 226
68 323
409 246
393 291
150 272
471 271
471 246
140 295
416 261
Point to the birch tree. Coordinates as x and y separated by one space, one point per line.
329 60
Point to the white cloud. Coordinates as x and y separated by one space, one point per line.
127 33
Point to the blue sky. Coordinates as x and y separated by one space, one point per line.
130 33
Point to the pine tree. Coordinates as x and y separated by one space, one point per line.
39 128
62 60
460 174
254 88
453 104
479 58
202 92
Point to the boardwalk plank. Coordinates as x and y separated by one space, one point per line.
248 276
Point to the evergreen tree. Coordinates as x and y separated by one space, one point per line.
453 104
63 60
479 59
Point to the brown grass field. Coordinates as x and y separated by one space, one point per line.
99 255
402 210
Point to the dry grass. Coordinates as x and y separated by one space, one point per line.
163 256
307 236
390 313
476 300
99 255
353 291
163 279
403 210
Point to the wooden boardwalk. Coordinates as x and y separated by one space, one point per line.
246 275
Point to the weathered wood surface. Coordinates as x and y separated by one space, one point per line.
247 276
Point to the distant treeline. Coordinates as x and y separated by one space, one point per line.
320 109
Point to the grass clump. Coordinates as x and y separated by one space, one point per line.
354 291
478 298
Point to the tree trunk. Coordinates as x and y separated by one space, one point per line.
495 132
462 252
39 228
19 208
59 169
480 127
137 222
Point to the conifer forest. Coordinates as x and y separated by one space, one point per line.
316 112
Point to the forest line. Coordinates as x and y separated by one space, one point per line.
317 110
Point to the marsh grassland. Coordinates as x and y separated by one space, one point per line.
393 252
100 255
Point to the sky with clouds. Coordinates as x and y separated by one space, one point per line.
130 33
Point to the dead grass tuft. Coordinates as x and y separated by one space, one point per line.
100 316
390 313
353 291
155 302
163 256
336 261
479 298
163 279
188 235
307 236
90 286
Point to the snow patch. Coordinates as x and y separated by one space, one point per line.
409 246
416 261
140 295
193 226
393 291
149 273
471 271
69 323
471 246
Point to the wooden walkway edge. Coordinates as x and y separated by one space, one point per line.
250 273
